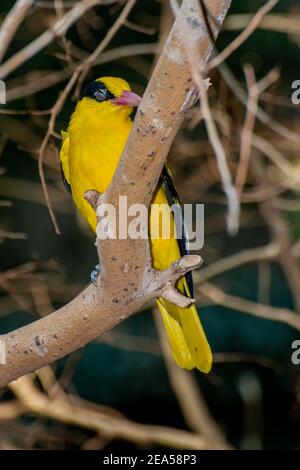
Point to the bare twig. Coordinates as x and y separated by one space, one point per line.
50 79
11 24
279 230
247 131
254 90
243 36
61 408
57 30
197 68
78 74
261 115
280 22
91 59
266 148
7 234
252 255
219 297
55 110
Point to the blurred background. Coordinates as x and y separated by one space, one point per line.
251 399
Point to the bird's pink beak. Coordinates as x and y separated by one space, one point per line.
127 98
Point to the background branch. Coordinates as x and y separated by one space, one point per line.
72 411
185 387
11 24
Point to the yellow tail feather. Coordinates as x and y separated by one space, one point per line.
187 339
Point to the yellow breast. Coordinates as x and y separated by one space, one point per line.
96 144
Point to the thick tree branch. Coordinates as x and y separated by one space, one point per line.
127 279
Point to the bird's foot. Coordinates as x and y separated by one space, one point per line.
95 274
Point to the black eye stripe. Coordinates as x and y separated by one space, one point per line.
98 92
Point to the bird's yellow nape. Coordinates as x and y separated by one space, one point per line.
115 85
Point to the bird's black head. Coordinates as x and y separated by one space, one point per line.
97 91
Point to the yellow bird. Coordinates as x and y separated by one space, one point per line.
91 149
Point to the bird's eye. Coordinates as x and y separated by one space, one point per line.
98 92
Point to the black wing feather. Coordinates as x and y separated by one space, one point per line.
66 184
173 198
